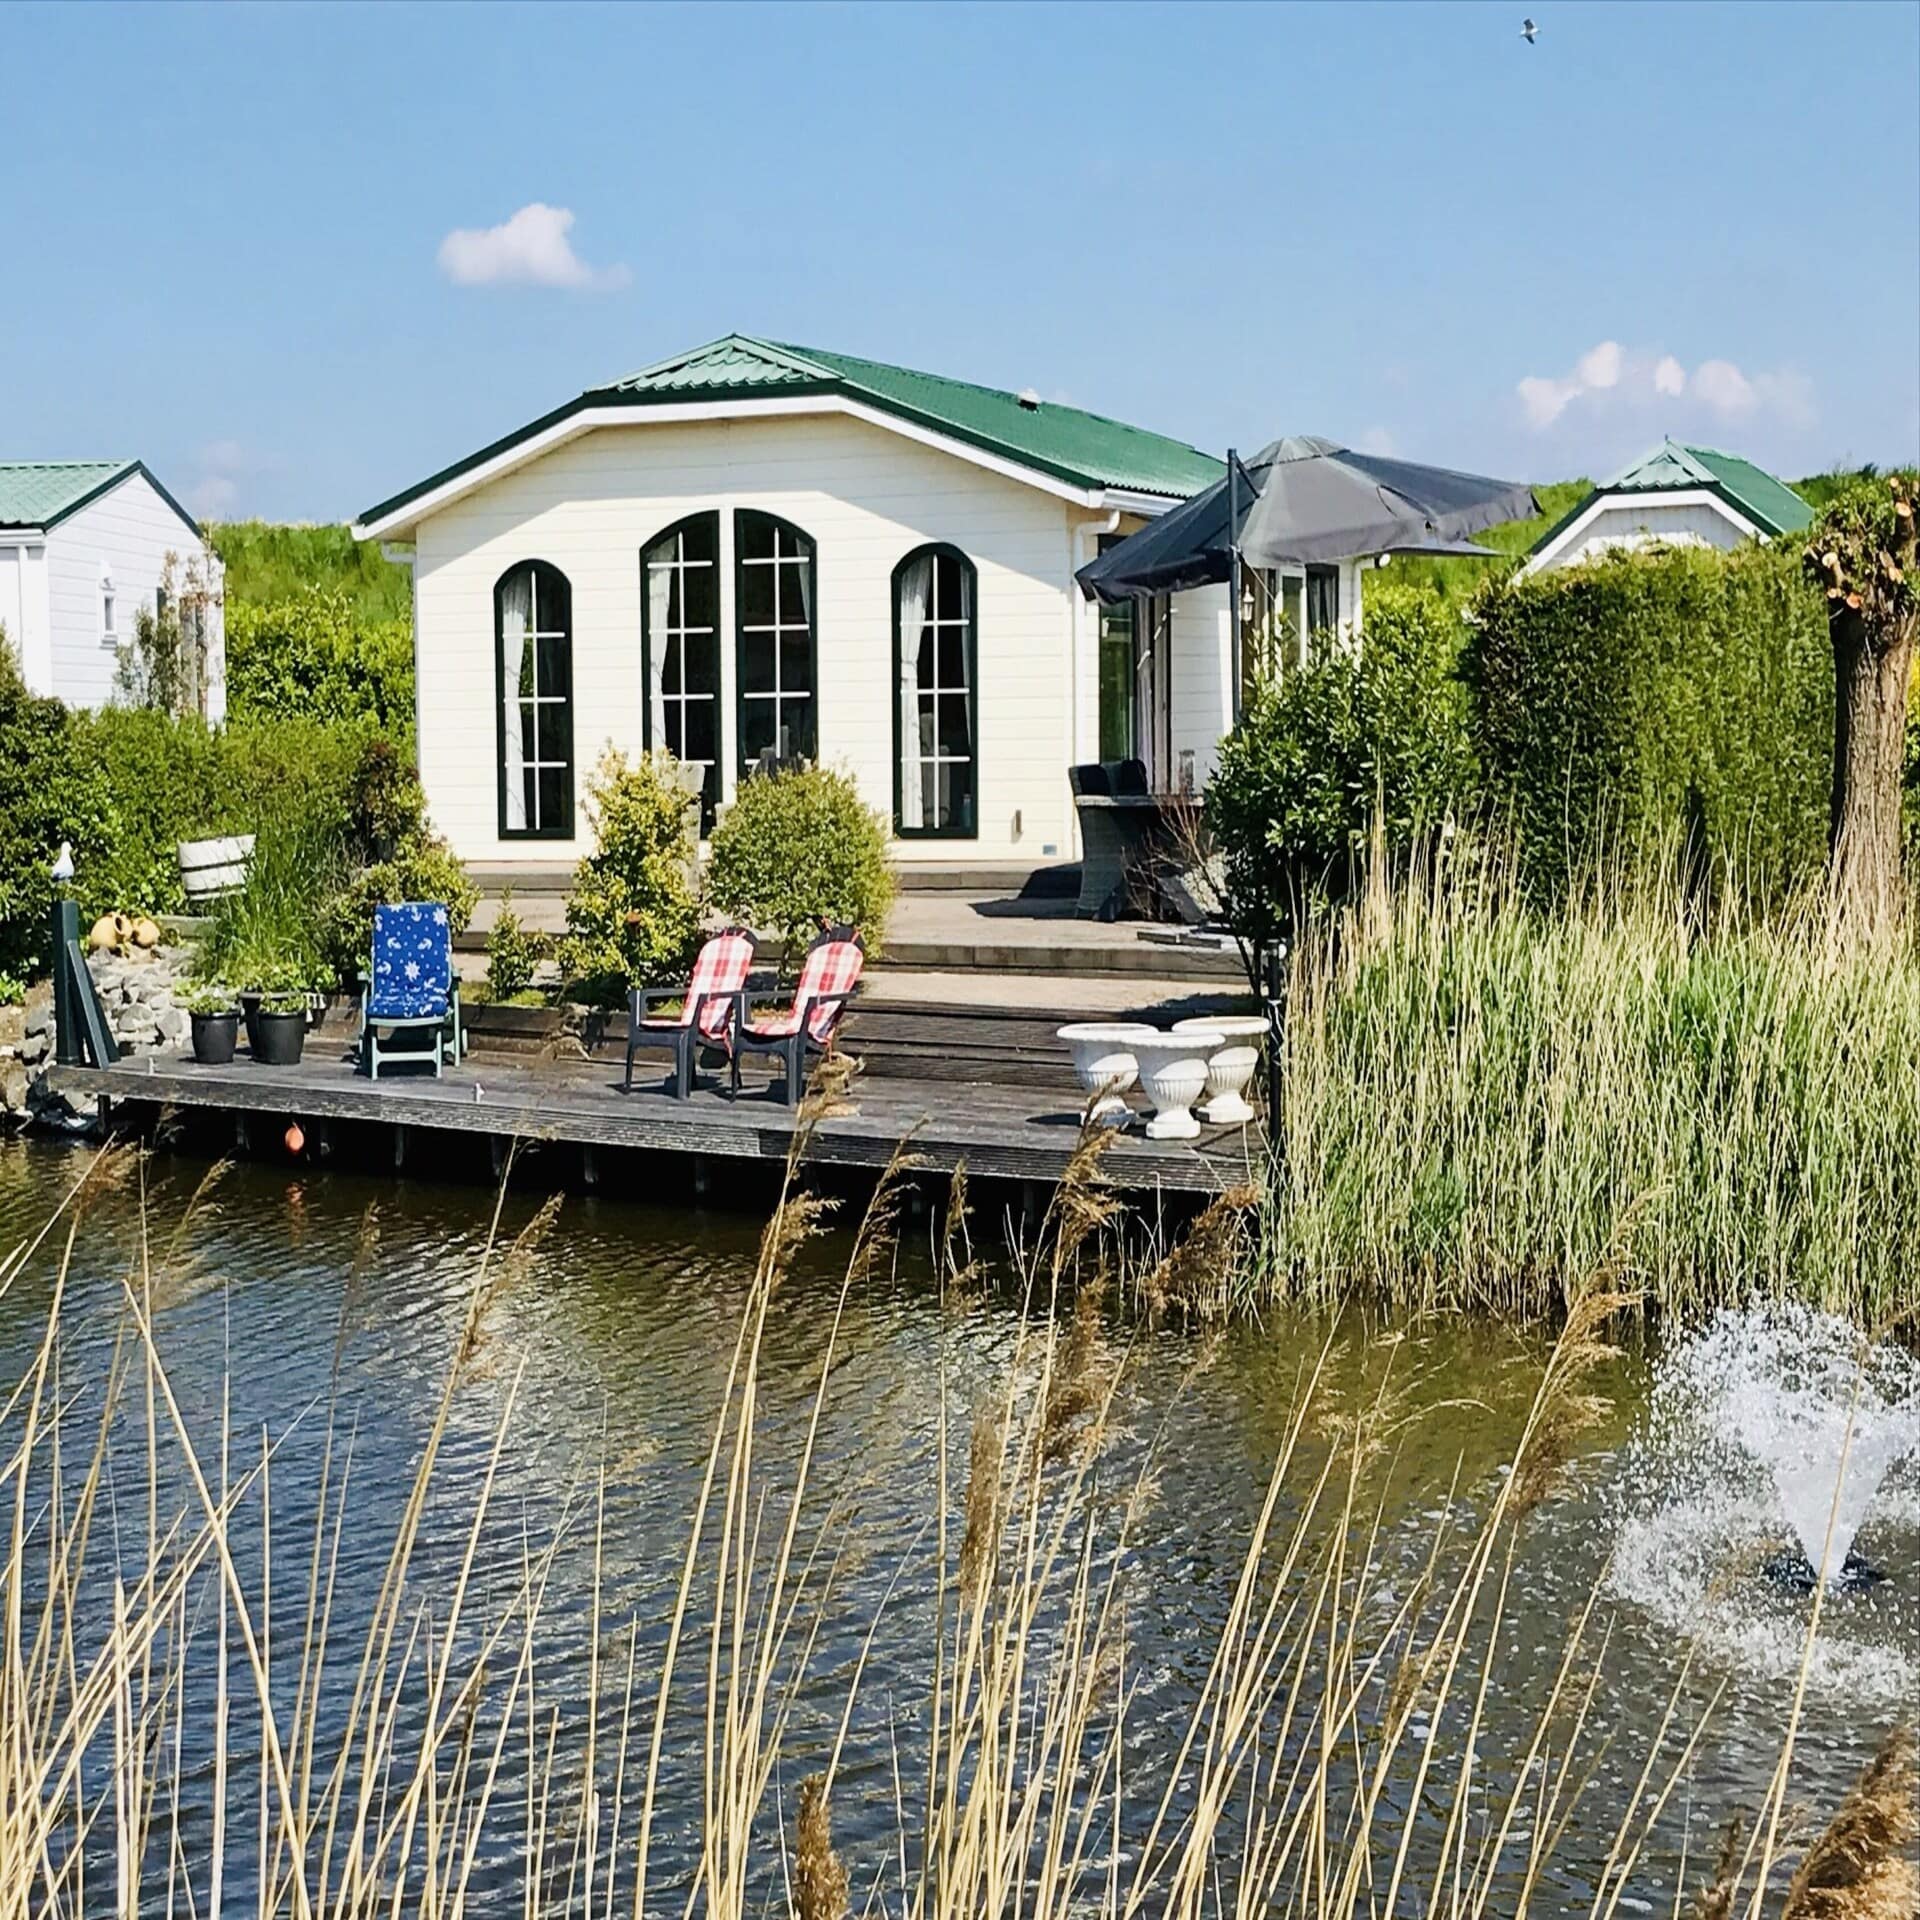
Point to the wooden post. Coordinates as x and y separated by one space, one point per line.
399 1148
589 1165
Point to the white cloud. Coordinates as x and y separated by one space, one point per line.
1599 367
1720 385
1612 379
211 497
531 248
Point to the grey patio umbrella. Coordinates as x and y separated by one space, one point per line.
1301 501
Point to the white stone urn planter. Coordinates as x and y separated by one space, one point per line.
1173 1071
1229 1071
1104 1064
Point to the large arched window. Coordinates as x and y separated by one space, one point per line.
936 707
533 678
680 649
776 660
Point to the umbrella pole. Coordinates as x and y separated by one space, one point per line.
1233 580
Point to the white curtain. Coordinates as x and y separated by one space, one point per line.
916 588
516 614
659 610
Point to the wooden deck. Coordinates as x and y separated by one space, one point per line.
1017 1132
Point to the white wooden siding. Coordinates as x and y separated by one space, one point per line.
1686 519
1202 687
128 533
867 498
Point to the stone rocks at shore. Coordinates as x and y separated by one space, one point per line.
141 990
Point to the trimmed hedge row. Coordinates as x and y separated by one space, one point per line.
1644 696
124 787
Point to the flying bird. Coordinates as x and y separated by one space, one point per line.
1528 31
63 863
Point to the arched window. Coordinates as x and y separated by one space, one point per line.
936 708
776 660
533 677
680 649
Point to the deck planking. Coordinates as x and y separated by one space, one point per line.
1016 1132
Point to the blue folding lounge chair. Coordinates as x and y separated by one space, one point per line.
412 988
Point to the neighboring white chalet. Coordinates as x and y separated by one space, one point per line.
1678 496
84 546
754 548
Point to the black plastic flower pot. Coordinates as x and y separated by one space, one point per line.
250 1013
214 1035
279 1037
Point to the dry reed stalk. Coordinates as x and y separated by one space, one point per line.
1194 1277
820 1882
958 1269
1865 1863
1715 1899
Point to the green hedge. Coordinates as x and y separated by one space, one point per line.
126 786
1636 698
315 655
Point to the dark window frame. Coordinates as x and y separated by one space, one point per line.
716 774
538 567
938 549
745 518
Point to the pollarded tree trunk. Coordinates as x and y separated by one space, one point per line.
1869 749
1865 562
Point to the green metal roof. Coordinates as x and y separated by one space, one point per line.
41 493
1066 443
1770 504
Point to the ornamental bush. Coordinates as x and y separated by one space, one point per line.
1319 747
1637 698
633 916
796 848
313 655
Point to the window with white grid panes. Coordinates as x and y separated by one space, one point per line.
680 647
937 765
533 658
775 657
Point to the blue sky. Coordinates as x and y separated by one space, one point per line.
228 229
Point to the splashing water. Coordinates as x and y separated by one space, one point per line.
1799 1394
1777 1424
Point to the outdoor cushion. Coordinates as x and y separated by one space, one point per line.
412 962
833 967
1129 779
1089 779
718 975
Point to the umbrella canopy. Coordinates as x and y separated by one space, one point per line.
1303 501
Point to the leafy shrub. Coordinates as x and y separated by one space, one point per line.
13 989
387 801
632 917
512 953
314 656
1294 793
50 790
1647 694
422 867
799 847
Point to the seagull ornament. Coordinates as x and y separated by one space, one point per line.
63 864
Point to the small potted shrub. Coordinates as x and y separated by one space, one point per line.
268 979
280 1027
216 1025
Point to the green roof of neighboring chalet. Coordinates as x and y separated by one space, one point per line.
41 493
1083 449
1770 504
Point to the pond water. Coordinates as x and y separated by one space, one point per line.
615 1346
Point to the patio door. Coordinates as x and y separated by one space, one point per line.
680 650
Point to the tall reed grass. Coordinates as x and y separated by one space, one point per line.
1478 1092
1333 1756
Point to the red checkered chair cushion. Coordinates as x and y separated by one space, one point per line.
718 975
832 967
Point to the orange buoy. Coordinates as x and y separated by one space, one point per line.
295 1138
